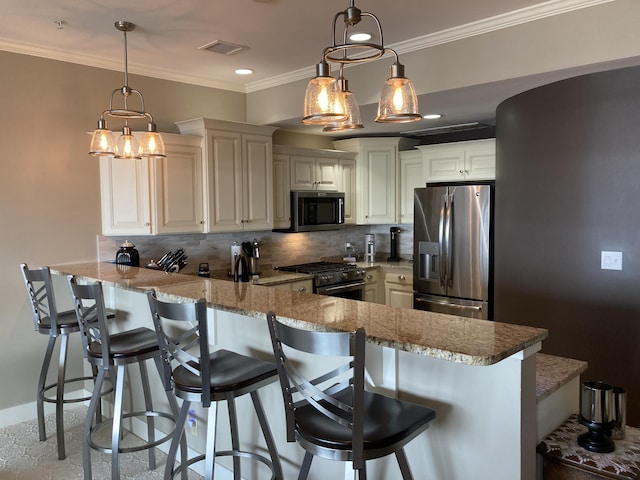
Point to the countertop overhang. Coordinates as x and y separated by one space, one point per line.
447 337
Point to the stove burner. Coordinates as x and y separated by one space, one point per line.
328 273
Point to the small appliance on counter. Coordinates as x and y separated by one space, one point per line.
128 255
370 247
394 255
236 251
203 270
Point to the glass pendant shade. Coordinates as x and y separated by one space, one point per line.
322 102
398 101
152 144
352 110
102 142
127 146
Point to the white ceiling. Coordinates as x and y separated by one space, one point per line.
284 38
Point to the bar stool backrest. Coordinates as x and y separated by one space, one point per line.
88 302
298 390
43 302
180 344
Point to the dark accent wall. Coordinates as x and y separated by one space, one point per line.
568 187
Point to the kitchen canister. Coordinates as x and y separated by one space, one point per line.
619 412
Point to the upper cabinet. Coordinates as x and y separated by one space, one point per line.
154 195
472 160
296 168
411 177
376 177
238 172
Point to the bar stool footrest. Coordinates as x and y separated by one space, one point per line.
144 446
228 453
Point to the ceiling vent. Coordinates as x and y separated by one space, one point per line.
224 48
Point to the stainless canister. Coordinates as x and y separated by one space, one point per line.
596 402
619 412
370 247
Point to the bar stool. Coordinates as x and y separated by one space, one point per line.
48 321
204 376
111 354
332 415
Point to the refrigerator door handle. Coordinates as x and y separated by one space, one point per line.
448 229
442 255
449 304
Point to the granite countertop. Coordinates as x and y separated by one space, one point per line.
447 337
553 372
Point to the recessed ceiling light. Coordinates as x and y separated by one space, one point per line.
360 37
244 71
432 116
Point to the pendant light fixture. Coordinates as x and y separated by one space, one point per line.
102 141
351 108
325 96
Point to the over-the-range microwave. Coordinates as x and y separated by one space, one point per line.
315 210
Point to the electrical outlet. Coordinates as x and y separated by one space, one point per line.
193 422
610 260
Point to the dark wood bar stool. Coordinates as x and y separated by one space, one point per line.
332 415
203 376
49 321
111 354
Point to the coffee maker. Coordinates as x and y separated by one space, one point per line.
394 254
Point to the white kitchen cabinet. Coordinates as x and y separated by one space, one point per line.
376 177
472 160
154 195
372 286
238 174
281 196
348 186
314 173
411 177
398 289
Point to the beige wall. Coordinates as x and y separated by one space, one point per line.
49 187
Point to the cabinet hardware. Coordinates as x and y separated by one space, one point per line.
401 277
302 289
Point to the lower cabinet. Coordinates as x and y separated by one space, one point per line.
398 289
372 287
297 286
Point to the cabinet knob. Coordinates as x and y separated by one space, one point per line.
401 277
461 172
369 277
302 289
146 224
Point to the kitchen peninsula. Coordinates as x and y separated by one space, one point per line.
479 376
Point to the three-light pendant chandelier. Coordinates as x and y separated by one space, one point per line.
127 146
329 102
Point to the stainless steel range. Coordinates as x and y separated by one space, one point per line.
333 278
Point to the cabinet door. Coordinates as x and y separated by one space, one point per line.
327 175
411 177
224 181
281 196
178 190
379 185
303 172
125 197
371 287
480 161
444 164
258 182
348 186
398 289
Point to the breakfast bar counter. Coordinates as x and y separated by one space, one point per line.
479 376
452 338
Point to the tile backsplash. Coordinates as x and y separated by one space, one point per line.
275 248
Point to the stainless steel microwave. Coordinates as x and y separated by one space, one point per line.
316 210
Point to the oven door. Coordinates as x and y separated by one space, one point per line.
351 290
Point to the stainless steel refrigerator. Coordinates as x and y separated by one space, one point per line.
453 249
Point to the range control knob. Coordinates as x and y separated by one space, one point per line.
344 275
362 272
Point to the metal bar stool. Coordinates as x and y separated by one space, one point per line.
48 321
204 376
111 354
331 415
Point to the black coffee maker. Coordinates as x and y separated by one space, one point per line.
395 245
128 255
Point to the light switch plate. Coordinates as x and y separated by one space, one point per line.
610 260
